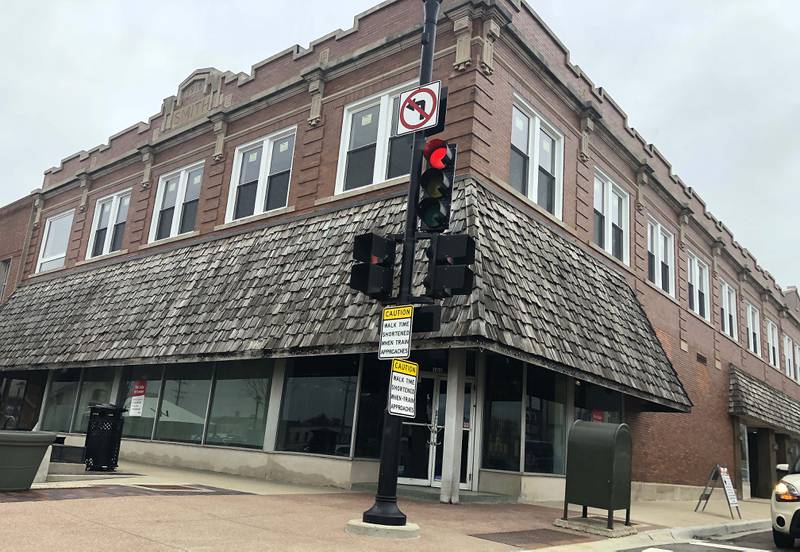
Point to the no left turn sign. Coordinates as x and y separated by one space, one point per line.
419 108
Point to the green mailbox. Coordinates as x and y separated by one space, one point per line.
599 468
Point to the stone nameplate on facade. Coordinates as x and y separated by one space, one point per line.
396 325
403 389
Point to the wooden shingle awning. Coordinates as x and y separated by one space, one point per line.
754 399
282 290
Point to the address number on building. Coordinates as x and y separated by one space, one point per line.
396 324
403 389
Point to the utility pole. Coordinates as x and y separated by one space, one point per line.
385 510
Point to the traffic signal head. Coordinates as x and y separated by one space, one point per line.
448 269
373 273
436 185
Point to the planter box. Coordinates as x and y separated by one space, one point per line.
21 453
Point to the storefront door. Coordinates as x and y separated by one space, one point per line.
421 441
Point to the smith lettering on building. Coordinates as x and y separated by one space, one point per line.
201 260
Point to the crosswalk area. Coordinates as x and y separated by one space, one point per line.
754 542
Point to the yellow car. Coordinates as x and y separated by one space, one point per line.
785 506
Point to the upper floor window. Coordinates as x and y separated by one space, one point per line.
611 217
370 149
773 353
537 152
797 362
55 239
698 286
262 171
177 201
753 330
788 353
728 310
108 226
5 268
660 256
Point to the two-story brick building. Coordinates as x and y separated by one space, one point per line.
200 260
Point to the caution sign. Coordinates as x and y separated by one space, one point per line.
403 389
419 108
396 323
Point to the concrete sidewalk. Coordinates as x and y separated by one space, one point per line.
172 509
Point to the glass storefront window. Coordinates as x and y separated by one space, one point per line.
61 400
371 407
20 398
317 406
545 421
145 379
184 402
239 404
503 415
597 404
95 388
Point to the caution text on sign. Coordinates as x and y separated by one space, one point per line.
396 324
403 389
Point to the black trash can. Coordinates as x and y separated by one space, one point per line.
101 451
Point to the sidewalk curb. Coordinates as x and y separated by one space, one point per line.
719 529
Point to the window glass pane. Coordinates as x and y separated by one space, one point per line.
277 191
317 407
360 167
599 196
21 396
599 229
371 406
61 400
251 165
183 407
597 404
546 195
51 265
194 183
364 127
547 152
165 223
99 241
545 421
518 171
105 213
246 200
5 267
58 237
282 151
400 155
122 210
188 217
140 381
520 130
617 242
95 389
239 405
503 424
170 193
618 204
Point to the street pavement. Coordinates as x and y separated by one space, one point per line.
761 541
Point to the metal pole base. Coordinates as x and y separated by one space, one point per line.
385 512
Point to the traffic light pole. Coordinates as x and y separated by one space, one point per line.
385 510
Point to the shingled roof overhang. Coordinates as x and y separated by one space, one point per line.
282 290
759 403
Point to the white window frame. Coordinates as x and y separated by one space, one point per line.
773 345
535 126
46 234
728 302
178 214
788 355
263 172
655 227
611 188
115 198
384 99
694 262
797 362
6 276
753 317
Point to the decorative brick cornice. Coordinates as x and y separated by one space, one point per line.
588 117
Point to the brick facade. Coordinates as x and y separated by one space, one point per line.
490 54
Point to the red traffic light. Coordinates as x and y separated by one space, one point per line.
437 153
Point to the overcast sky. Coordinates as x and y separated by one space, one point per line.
713 84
